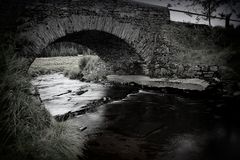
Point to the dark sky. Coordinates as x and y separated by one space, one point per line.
176 16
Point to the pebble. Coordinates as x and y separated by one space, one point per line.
104 99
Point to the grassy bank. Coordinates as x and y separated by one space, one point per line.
90 68
50 65
27 130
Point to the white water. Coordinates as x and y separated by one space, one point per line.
51 86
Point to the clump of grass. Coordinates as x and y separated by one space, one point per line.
86 67
21 116
60 140
83 62
89 68
93 68
27 130
73 73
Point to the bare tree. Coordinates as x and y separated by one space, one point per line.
210 6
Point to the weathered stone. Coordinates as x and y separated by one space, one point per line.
164 71
208 75
199 73
204 68
213 68
196 68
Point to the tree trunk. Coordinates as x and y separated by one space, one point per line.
209 21
209 13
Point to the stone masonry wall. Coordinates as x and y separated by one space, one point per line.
161 44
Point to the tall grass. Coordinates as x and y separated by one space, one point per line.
27 130
90 68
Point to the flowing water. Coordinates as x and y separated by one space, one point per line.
146 124
61 94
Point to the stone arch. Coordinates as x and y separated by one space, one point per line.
52 29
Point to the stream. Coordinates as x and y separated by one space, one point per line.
144 124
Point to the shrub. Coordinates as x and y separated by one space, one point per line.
93 68
73 73
83 62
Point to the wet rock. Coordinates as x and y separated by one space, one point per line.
106 99
216 79
213 68
64 117
81 92
83 128
204 68
69 91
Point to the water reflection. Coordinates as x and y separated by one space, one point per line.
151 124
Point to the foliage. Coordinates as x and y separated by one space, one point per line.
90 68
211 6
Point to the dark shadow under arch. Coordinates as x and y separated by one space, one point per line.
118 54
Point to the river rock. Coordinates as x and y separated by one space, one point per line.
81 92
213 68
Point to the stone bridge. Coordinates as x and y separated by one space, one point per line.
123 33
